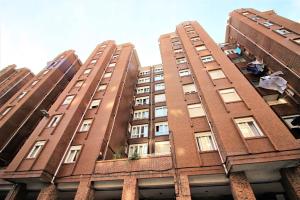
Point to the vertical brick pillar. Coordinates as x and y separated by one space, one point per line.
18 192
183 188
130 189
291 182
84 190
240 187
48 193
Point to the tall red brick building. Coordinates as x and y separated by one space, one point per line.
192 127
23 111
11 80
274 41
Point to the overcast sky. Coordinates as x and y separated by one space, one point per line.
33 32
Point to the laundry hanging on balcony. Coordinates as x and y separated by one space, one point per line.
257 68
273 82
238 50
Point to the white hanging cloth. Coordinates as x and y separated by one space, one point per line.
273 82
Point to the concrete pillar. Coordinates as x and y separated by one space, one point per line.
183 188
84 190
130 189
48 192
240 187
291 182
18 192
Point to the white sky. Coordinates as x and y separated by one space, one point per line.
33 32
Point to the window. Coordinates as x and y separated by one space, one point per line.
178 51
184 72
112 65
297 40
180 60
140 149
196 110
141 114
245 13
159 86
102 87
79 83
254 18
158 69
143 73
161 128
216 74
144 80
34 83
36 149
267 24
277 101
22 95
248 127
45 72
87 71
139 131
86 124
159 77
99 53
6 111
288 120
159 98
195 39
73 154
176 43
189 88
54 121
201 47
95 103
93 61
162 148
115 56
229 95
141 90
107 75
142 101
206 59
229 51
282 31
68 100
161 111
205 141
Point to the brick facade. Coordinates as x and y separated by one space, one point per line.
240 187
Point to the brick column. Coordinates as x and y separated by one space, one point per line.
84 190
240 187
130 189
183 188
291 182
48 193
16 193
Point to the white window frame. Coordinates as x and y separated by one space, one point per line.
161 111
93 62
86 125
158 69
196 110
142 90
195 39
178 50
181 60
95 103
162 144
243 123
200 47
205 141
112 64
163 128
229 51
206 59
216 74
36 149
189 88
79 83
6 111
141 149
159 86
141 114
158 77
184 72
102 87
229 95
282 31
45 72
142 100
68 100
107 75
87 71
297 40
139 131
34 82
22 95
159 98
54 121
143 73
73 154
267 24
144 80
288 119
